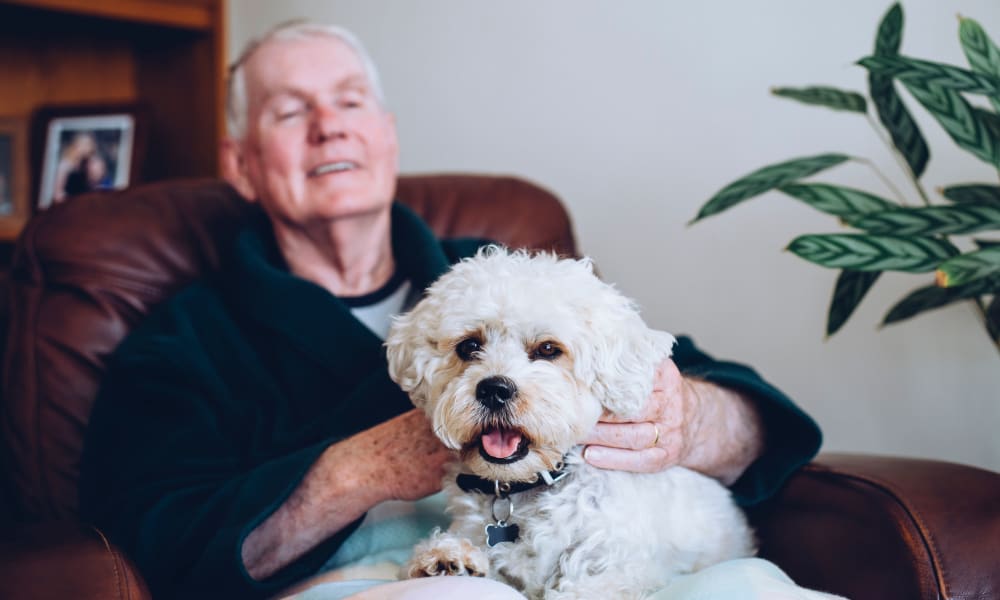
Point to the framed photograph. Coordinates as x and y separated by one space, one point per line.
84 149
13 174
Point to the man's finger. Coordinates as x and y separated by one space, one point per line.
652 410
650 460
633 436
610 418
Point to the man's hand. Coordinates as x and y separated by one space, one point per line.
399 459
686 422
406 460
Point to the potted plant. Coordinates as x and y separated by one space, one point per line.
891 234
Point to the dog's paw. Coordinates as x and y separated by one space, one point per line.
446 554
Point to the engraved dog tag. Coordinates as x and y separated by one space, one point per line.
501 532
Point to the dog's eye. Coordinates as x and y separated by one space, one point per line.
467 349
546 351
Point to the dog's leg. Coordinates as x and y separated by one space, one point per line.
445 553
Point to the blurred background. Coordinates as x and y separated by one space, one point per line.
635 113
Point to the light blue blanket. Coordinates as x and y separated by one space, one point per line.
387 537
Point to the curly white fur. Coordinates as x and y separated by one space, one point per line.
596 533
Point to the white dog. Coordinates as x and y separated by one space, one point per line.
513 358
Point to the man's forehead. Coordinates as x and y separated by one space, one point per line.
280 64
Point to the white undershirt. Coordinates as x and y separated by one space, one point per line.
378 316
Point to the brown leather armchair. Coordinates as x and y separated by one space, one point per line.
85 272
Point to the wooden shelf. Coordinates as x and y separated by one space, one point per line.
191 14
166 55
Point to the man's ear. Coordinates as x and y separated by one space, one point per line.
232 159
390 123
390 119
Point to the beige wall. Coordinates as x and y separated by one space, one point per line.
635 113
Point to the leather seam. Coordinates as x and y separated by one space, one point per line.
889 490
114 559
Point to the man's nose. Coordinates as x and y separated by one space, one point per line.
326 122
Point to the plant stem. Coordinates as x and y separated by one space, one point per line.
885 180
905 166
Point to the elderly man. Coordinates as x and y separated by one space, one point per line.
247 426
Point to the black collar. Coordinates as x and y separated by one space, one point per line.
474 483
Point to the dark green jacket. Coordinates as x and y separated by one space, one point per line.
214 408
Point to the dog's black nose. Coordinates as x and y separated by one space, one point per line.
494 392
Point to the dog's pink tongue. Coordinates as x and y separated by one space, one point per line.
501 443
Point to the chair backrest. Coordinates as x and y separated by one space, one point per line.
85 272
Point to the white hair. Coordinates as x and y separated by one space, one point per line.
236 91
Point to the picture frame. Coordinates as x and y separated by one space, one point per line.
14 175
81 149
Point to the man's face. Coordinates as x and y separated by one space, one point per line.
318 145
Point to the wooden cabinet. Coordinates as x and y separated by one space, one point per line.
167 55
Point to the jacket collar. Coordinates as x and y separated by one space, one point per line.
320 324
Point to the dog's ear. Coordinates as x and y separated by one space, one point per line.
623 356
411 354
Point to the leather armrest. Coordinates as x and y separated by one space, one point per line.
872 527
65 560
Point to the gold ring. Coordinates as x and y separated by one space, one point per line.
656 438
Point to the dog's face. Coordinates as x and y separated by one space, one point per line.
514 358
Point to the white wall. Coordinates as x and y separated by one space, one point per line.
635 113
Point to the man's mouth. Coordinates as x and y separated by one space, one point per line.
500 445
333 167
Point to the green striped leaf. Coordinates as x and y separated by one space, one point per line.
897 120
976 193
851 287
931 220
837 200
959 120
932 296
861 252
982 244
825 96
765 179
983 54
893 114
968 267
924 73
990 120
889 36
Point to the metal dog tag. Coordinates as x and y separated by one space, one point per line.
501 532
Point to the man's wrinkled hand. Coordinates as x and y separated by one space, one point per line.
686 422
660 436
409 459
